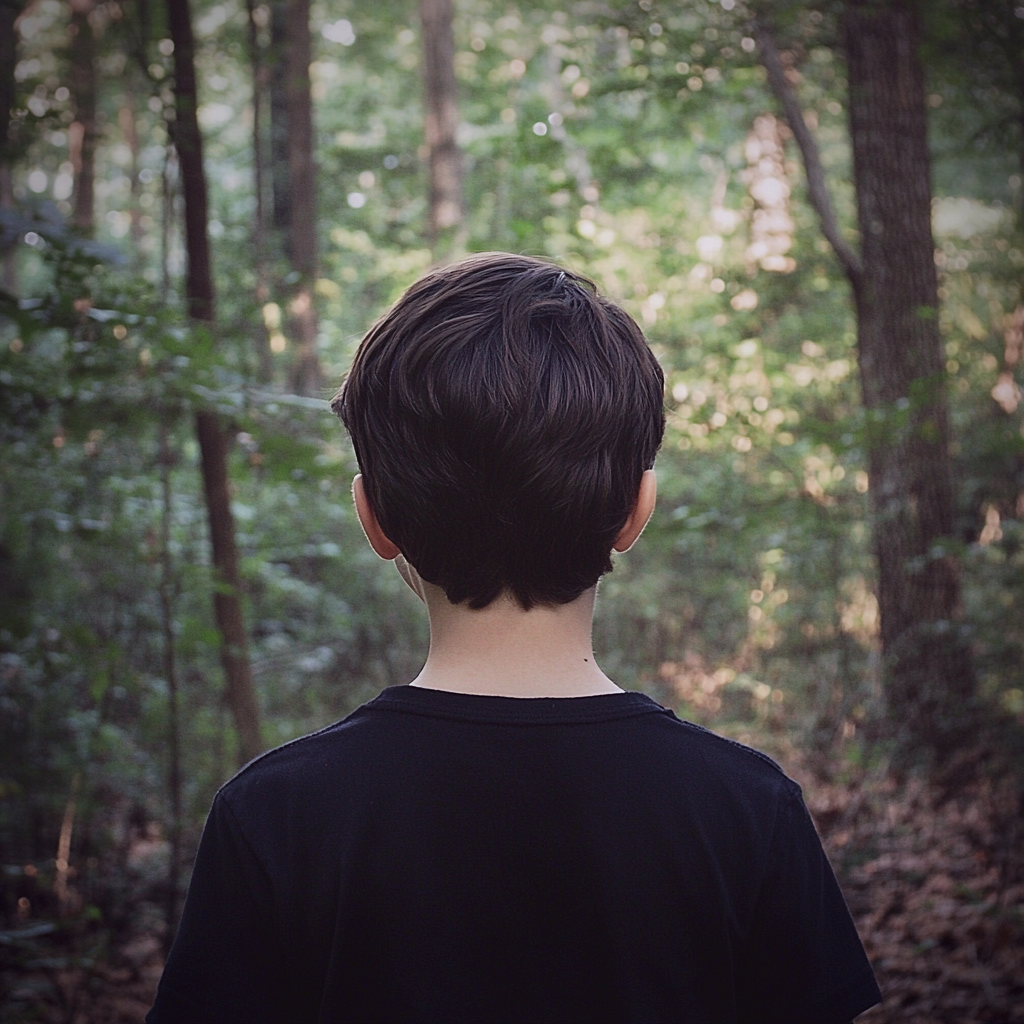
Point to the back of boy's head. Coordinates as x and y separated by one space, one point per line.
502 414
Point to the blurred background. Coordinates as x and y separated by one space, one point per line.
814 209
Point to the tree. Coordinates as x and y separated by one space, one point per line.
293 173
305 376
82 132
126 119
277 62
445 212
9 11
930 679
259 221
210 432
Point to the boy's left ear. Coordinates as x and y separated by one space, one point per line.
379 541
641 513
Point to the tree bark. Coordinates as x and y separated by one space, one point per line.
9 11
445 211
259 223
928 669
82 131
928 666
166 594
209 431
305 377
277 60
168 177
126 116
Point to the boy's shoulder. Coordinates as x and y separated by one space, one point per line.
293 762
731 750
376 738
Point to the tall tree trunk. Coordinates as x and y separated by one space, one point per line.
168 176
9 273
209 431
929 670
259 224
305 377
126 117
9 11
445 212
82 132
166 593
277 61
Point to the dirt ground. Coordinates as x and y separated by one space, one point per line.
935 884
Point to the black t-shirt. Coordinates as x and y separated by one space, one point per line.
446 857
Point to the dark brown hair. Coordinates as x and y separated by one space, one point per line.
502 414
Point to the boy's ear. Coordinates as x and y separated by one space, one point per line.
641 513
379 541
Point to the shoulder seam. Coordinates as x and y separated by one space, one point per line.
284 746
752 751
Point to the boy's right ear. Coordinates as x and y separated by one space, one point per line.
379 541
641 513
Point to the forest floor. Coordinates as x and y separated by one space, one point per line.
935 883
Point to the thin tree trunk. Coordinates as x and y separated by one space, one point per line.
9 11
126 116
305 377
210 432
445 212
171 908
63 860
82 131
166 213
259 233
817 187
1015 46
928 665
9 273
241 696
928 669
277 61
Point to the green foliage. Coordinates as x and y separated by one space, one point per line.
619 142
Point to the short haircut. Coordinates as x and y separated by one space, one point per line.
502 414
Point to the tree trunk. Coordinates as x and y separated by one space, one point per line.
82 131
928 666
305 378
277 61
9 11
168 177
445 212
166 594
126 116
227 605
209 431
259 224
9 272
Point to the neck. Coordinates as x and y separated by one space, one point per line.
504 651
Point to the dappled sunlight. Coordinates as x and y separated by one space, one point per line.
642 146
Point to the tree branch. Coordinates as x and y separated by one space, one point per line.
817 190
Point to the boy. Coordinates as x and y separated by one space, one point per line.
510 837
